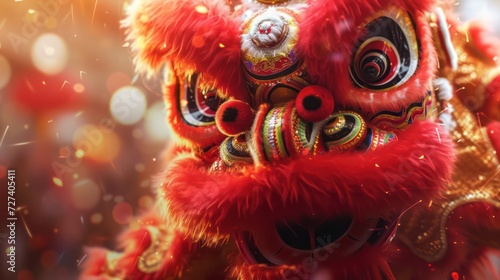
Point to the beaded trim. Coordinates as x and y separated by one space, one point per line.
299 128
274 146
355 135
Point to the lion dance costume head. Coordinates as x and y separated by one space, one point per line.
316 140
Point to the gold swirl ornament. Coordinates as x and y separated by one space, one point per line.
235 150
347 130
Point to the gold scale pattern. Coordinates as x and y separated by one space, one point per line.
476 179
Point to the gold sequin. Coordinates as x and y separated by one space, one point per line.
152 258
335 126
475 180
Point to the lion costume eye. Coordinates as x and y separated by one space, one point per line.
197 105
387 56
191 108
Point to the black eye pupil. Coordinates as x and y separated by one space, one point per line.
371 72
212 100
373 68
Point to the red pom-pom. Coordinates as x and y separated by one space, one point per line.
314 103
234 117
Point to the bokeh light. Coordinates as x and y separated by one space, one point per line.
25 275
65 126
79 88
107 197
64 152
93 142
146 202
128 105
49 54
5 71
139 167
85 194
49 259
155 122
201 9
122 213
60 63
57 181
96 218
38 93
3 171
39 241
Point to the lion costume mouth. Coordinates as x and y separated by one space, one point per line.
292 242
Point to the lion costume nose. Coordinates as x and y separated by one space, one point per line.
307 125
314 103
234 117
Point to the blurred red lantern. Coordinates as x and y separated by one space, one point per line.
39 94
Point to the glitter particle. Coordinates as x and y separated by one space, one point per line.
58 182
201 9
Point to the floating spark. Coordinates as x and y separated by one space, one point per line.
24 221
80 261
30 86
93 13
64 83
81 75
60 258
3 137
22 143
72 15
489 180
479 115
439 135
57 181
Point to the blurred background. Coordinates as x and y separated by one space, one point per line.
82 131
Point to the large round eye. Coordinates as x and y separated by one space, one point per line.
198 105
387 56
191 108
